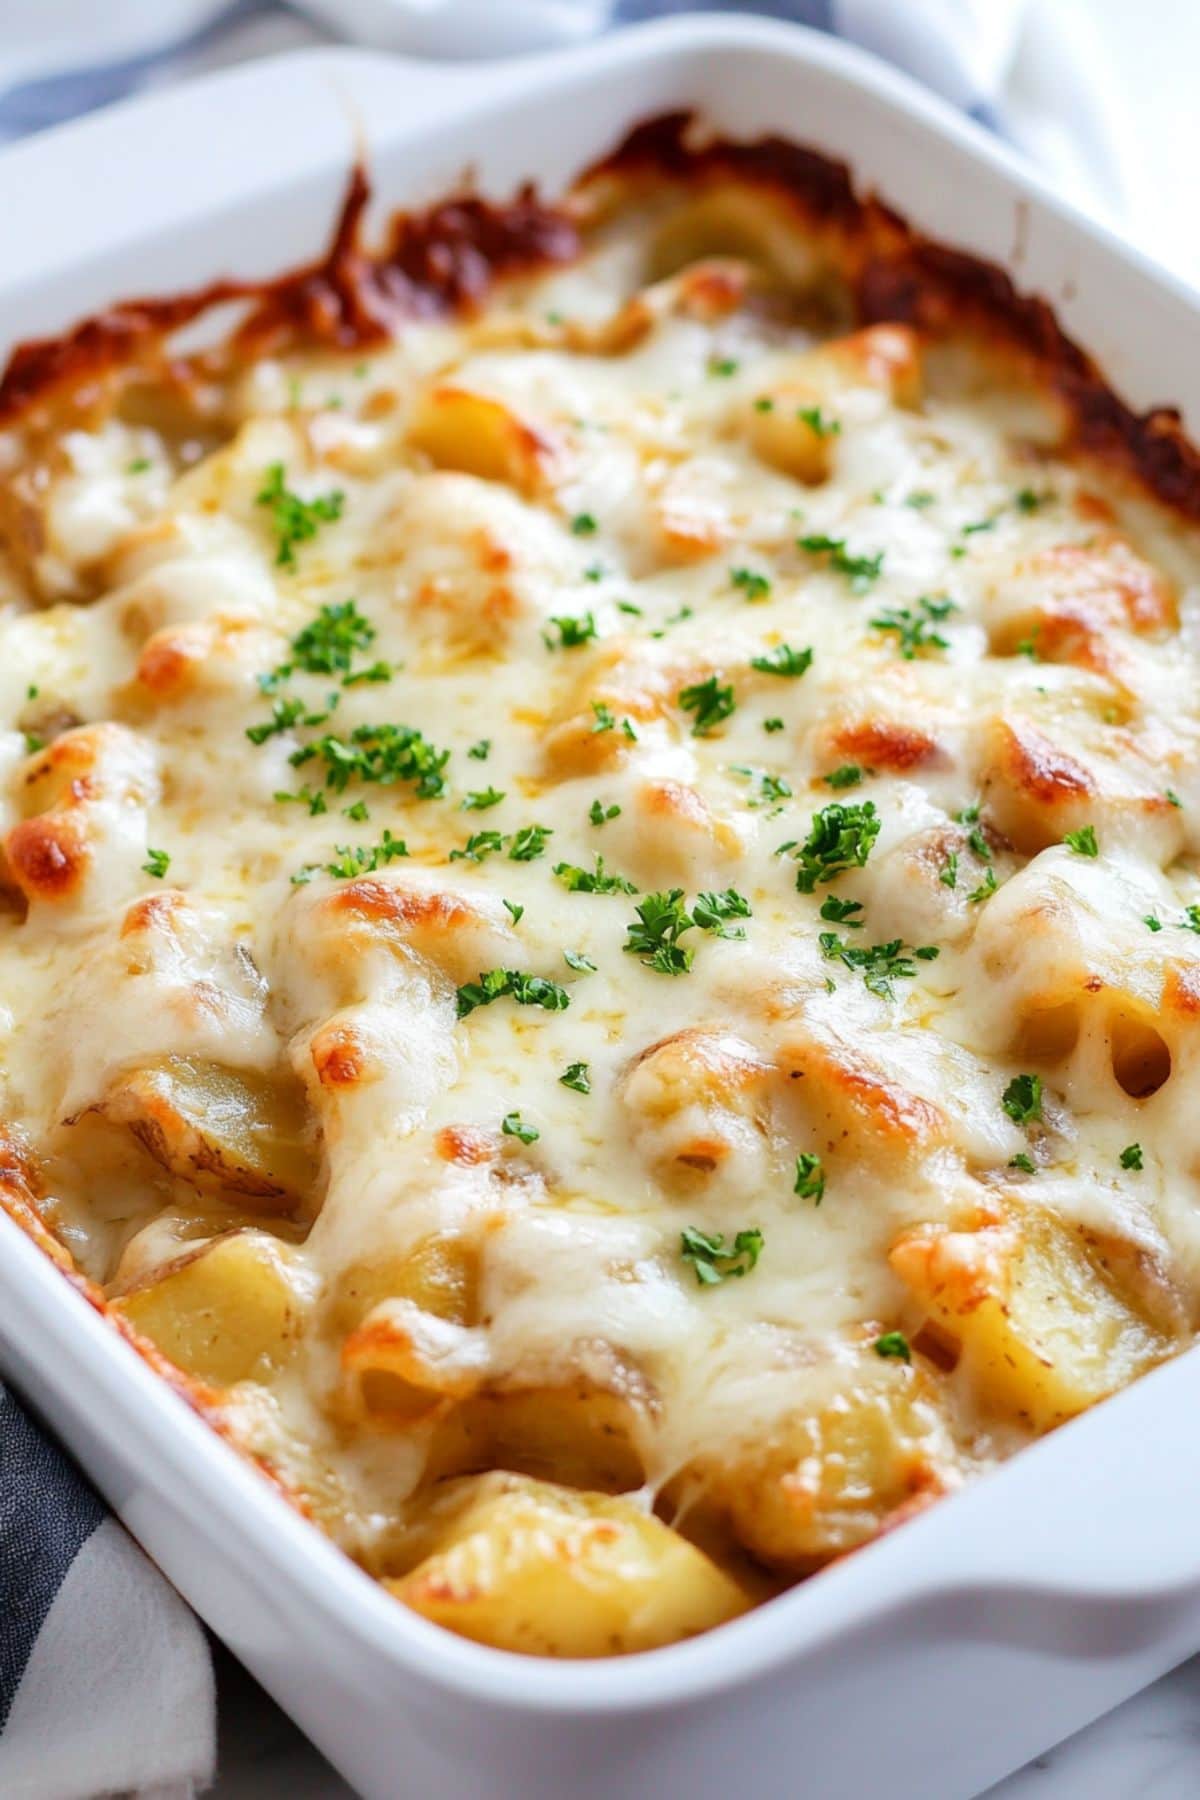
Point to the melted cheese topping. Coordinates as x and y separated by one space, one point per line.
348 1077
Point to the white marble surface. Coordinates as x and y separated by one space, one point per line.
1148 1749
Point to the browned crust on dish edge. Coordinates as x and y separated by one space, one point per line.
448 258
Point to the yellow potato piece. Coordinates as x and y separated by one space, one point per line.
479 436
215 1126
1045 1332
230 1311
527 1565
831 1476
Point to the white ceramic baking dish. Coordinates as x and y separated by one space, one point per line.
931 1663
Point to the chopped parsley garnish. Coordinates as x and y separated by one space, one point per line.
817 423
284 714
479 845
577 1076
138 466
33 743
769 789
526 990
1173 798
1131 1157
606 720
949 873
593 572
327 646
772 724
810 1177
1082 842
783 660
839 838
480 750
879 964
751 583
1151 922
157 863
978 525
841 912
360 812
583 525
920 498
516 913
914 627
599 814
314 799
295 520
713 911
1022 1099
713 1259
893 1343
764 404
985 890
364 859
848 776
1191 918
860 571
722 365
1026 500
1024 1162
592 881
662 919
512 1126
572 632
383 753
378 671
582 965
480 799
710 702
529 843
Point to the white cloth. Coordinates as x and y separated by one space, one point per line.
105 1677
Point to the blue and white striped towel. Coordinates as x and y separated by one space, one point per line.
106 1681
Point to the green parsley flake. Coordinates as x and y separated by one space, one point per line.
662 919
529 843
157 863
515 912
713 1260
576 1076
575 959
710 702
583 525
364 859
572 632
949 874
772 724
295 520
1022 1099
817 423
382 753
810 1177
592 881
480 751
879 964
841 912
722 365
783 660
893 1343
479 845
839 838
512 1126
913 628
1024 1162
599 814
712 912
1082 842
848 776
860 571
751 583
328 645
1131 1157
480 799
525 989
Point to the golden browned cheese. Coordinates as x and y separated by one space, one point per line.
600 930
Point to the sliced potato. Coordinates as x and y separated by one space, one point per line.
230 1311
1045 1329
530 1566
218 1127
832 1475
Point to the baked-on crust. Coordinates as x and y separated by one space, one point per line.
596 834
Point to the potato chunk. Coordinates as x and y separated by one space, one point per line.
530 1566
230 1311
835 1472
1045 1329
218 1127
470 432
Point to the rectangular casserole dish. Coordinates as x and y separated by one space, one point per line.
1052 1595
